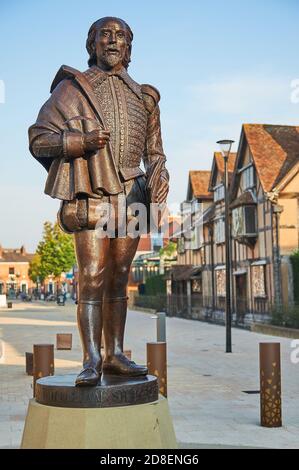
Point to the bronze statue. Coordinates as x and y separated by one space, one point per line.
91 136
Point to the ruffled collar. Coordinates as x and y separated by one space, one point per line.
95 74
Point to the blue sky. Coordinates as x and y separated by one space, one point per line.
217 65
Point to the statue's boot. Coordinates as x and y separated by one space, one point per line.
114 320
89 316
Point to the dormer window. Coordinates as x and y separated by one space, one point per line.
220 230
247 177
219 193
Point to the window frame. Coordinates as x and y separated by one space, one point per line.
242 172
244 232
217 189
220 220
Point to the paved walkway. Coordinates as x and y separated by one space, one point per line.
205 385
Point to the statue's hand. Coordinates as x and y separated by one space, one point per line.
95 140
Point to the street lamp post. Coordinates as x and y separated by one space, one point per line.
226 146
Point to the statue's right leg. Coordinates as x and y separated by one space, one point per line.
91 253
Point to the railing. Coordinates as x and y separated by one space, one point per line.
156 302
261 305
199 307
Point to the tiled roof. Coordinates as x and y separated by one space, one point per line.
218 167
11 255
199 181
220 161
275 150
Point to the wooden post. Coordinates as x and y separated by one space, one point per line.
64 341
270 380
43 362
29 363
157 364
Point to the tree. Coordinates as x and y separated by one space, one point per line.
169 251
35 269
55 253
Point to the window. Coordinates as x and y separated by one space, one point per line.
258 281
197 227
248 178
237 222
221 282
196 285
250 220
244 221
220 230
11 271
196 238
196 207
219 193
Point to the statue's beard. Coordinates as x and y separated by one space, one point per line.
111 60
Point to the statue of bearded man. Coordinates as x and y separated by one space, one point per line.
91 136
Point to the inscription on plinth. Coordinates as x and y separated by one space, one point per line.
112 391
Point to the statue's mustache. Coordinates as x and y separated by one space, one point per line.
111 49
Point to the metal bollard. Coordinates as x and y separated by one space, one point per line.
29 363
161 326
157 364
64 341
43 362
270 381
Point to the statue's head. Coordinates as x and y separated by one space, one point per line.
109 43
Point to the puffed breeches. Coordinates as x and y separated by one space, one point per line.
86 213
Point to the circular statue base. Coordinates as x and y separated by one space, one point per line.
113 391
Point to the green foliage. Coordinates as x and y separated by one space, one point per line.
156 302
35 269
295 264
169 251
55 253
155 285
287 317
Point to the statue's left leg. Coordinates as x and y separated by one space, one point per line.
121 254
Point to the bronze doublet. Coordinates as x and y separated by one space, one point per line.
125 116
80 103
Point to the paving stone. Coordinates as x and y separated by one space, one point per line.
207 411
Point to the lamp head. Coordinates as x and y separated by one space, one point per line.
225 146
